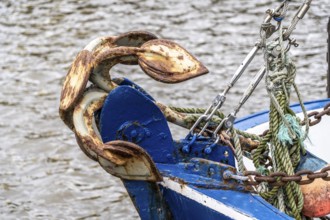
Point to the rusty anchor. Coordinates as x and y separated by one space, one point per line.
163 60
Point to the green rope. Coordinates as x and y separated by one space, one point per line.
286 158
257 154
285 133
248 135
303 110
284 139
284 164
195 111
217 120
238 151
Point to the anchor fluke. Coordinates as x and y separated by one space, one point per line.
168 62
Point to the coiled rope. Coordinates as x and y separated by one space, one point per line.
285 137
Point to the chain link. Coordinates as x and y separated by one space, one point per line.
281 178
317 117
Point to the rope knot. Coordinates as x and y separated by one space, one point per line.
282 70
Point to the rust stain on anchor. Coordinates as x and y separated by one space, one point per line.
120 158
168 62
136 163
74 85
134 38
105 60
129 39
163 60
76 80
83 118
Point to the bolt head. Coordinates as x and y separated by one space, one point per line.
229 124
134 133
208 150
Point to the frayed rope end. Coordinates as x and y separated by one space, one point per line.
283 133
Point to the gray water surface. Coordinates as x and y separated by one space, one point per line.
43 173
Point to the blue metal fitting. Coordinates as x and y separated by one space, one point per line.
186 148
209 149
148 133
134 133
211 171
190 166
278 19
227 174
196 167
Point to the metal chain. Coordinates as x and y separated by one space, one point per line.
318 115
281 178
315 114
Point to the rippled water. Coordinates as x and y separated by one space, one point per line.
43 174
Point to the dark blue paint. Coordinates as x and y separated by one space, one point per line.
133 131
190 141
222 154
184 208
127 111
127 82
129 115
200 173
248 203
311 162
209 149
196 174
147 200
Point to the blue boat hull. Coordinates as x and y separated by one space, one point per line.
193 186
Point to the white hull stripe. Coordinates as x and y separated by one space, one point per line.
204 200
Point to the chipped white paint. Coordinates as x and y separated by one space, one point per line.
207 201
91 46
